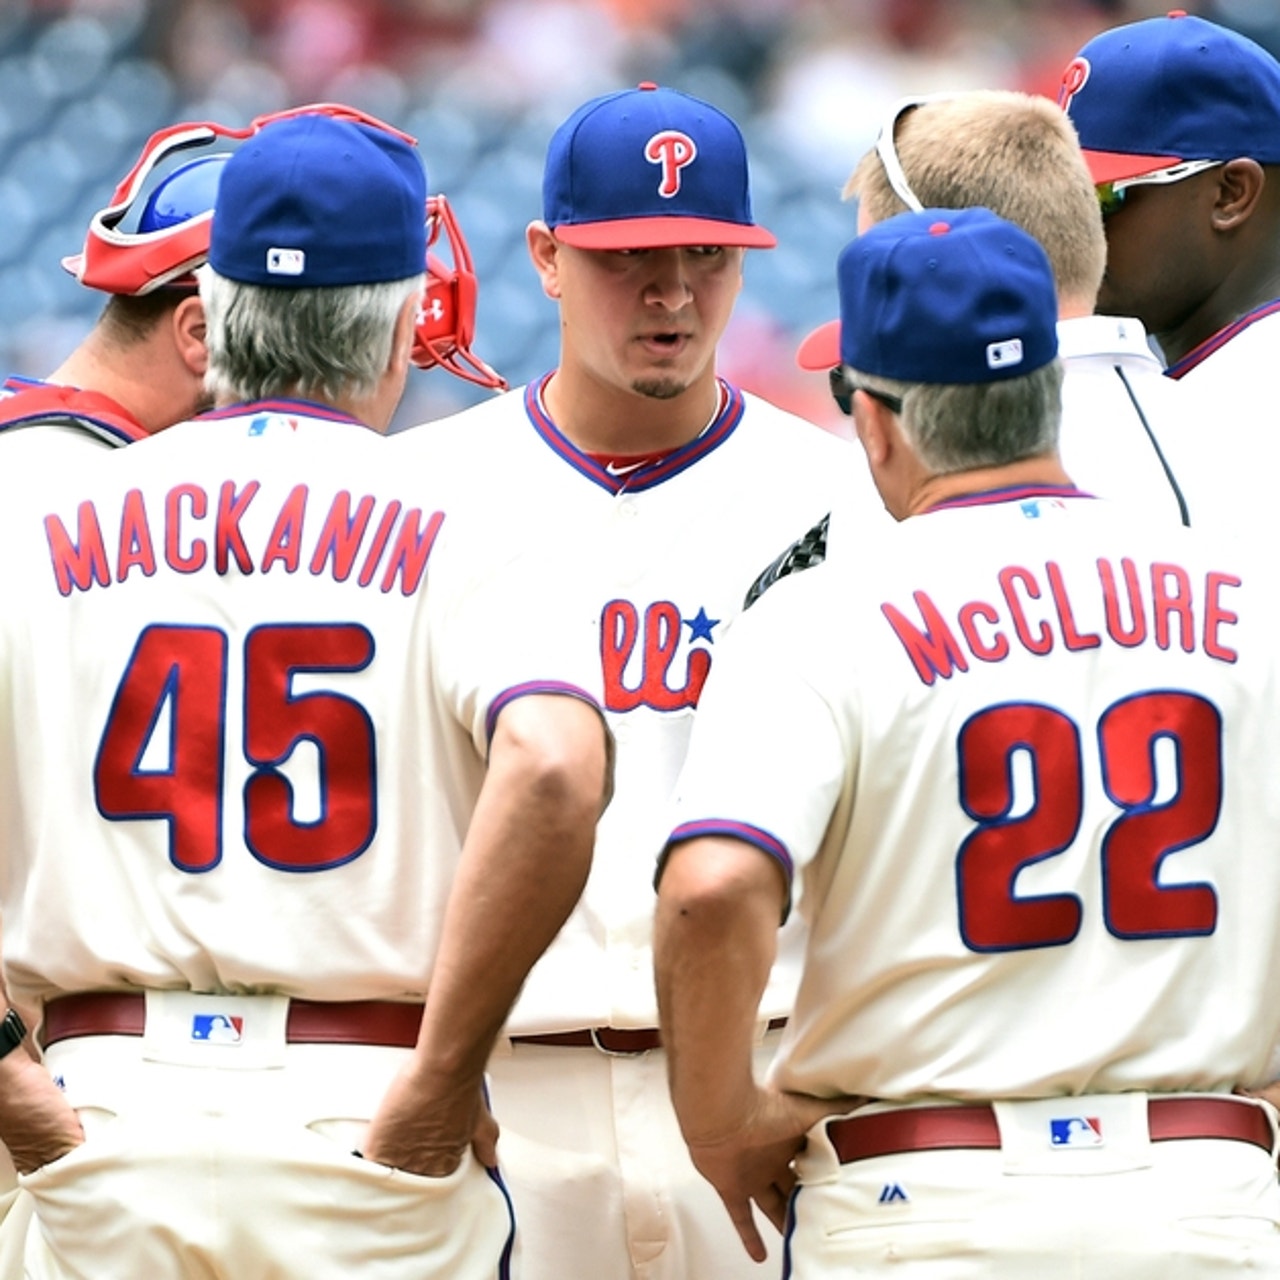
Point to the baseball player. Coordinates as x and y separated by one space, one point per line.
1180 123
1007 766
1017 155
141 367
258 721
661 491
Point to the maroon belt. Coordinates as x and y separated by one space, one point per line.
611 1039
889 1133
124 1013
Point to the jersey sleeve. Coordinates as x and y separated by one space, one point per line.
502 629
766 762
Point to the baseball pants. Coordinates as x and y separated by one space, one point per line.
1115 1204
247 1172
600 1177
15 1214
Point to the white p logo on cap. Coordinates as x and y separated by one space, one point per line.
286 262
1000 355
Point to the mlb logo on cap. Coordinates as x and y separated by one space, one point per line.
1003 355
286 262
649 168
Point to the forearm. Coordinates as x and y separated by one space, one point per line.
524 864
715 940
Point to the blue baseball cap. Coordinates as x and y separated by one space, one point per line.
1150 94
314 201
953 296
649 168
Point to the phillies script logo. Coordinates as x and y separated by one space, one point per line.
1073 80
672 150
637 656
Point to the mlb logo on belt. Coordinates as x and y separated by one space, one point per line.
217 1028
1076 1131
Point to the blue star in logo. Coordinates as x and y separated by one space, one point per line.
700 627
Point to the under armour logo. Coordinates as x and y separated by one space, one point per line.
672 150
892 1193
434 308
1074 79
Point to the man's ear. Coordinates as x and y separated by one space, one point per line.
189 331
402 340
1239 191
876 429
544 251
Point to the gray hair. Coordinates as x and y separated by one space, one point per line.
317 343
985 424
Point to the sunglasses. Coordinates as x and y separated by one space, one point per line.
843 387
1112 195
887 150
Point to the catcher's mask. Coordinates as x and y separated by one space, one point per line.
155 233
447 313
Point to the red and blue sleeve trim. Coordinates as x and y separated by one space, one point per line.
757 837
720 429
1198 355
532 687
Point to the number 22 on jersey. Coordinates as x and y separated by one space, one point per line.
183 670
1154 821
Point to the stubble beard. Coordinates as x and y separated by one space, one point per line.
659 388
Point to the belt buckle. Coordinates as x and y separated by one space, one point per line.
609 1053
594 1032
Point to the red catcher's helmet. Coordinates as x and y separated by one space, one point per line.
142 241
446 318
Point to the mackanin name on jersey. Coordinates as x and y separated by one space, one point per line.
373 542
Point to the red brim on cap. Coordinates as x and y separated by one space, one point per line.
821 349
662 233
1112 166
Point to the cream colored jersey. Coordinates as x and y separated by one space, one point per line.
663 555
247 682
1020 759
1230 464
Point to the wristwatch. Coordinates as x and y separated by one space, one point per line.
13 1032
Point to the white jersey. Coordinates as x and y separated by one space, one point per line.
663 554
1121 417
1019 759
1228 467
254 659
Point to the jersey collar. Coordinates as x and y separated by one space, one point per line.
1198 355
649 474
1012 493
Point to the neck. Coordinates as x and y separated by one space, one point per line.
599 417
1233 299
936 489
86 369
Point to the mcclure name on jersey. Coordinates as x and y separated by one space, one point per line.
1041 612
376 541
